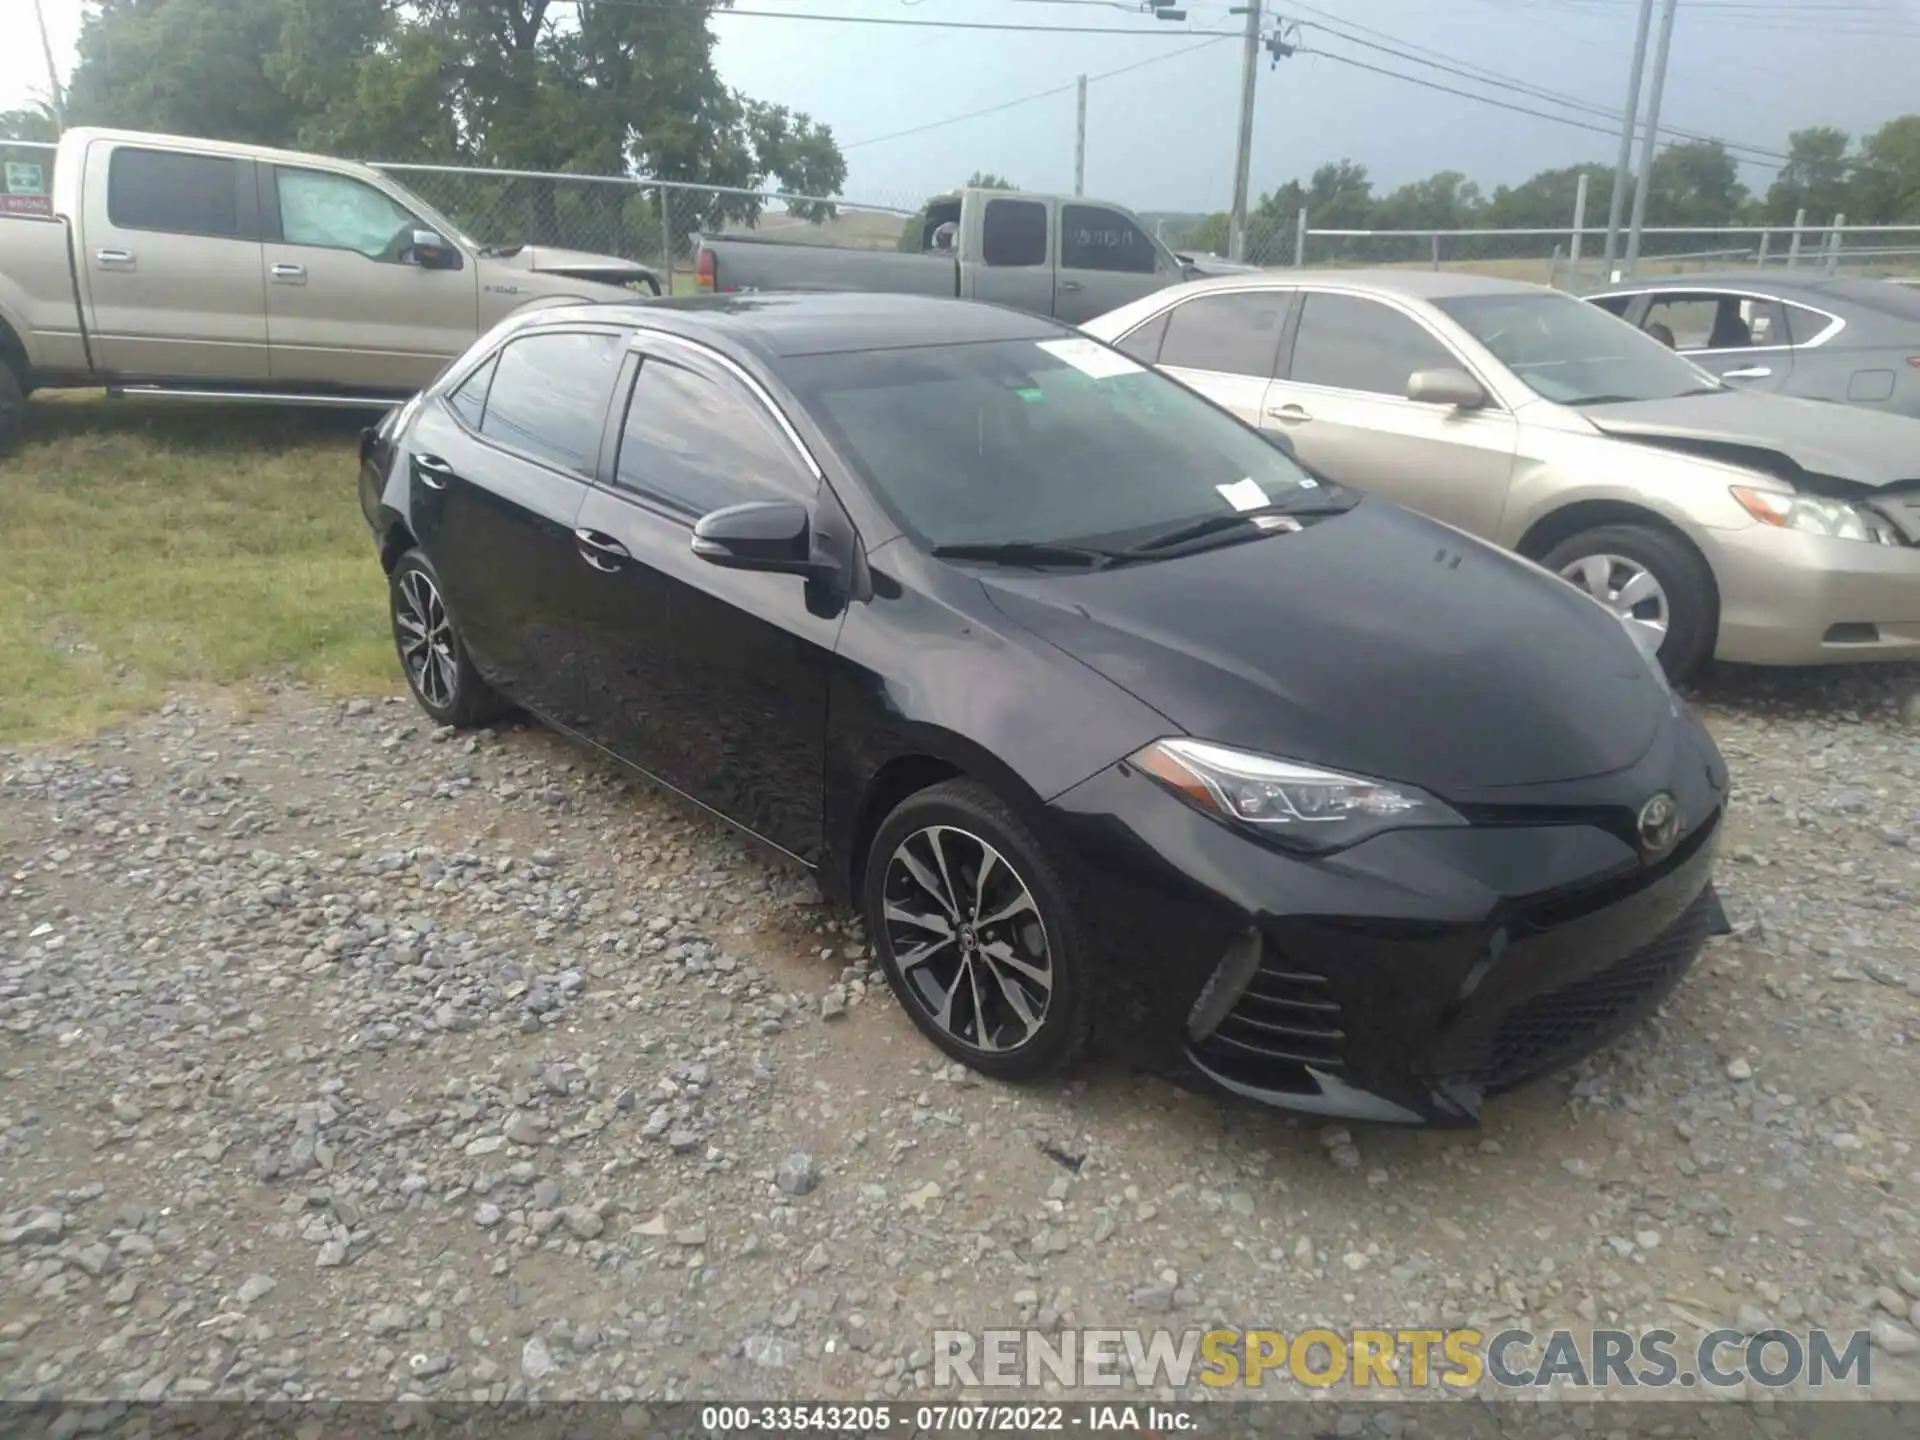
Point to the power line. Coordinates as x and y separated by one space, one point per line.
1161 32
1028 99
1465 69
1487 99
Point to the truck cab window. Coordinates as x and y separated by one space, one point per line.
178 193
1095 238
1015 233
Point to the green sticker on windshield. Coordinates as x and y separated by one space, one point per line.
1032 394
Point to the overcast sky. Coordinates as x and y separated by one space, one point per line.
1161 135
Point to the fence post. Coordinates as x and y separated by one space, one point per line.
1553 265
1793 246
1760 261
1300 238
666 234
1834 242
1579 222
1435 239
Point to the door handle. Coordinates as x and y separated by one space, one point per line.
434 472
602 552
1069 284
1288 414
1752 372
114 259
288 274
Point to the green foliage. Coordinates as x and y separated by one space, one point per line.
596 87
29 122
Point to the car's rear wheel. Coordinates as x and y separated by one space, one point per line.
1654 581
977 932
432 656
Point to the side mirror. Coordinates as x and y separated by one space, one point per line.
430 251
775 536
1453 388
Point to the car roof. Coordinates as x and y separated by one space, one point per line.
779 326
1412 283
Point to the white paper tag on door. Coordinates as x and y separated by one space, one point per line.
1094 361
1243 494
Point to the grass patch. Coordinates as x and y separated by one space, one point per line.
149 547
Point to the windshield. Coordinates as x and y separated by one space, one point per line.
1050 442
1575 353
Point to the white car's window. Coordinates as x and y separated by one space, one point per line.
1235 334
337 212
1351 343
1572 352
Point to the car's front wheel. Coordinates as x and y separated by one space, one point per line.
1654 581
977 932
432 656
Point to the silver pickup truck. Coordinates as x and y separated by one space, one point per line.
209 271
1056 255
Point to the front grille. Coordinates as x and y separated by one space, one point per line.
1557 1027
1285 1021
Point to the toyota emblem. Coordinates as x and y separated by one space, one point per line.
1659 823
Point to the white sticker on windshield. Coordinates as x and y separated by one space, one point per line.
1094 361
1243 494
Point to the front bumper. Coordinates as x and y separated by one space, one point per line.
1790 598
1410 976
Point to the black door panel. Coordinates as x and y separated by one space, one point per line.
713 680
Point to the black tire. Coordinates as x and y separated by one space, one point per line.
13 407
1693 601
982 817
440 674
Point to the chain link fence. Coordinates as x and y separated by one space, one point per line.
649 221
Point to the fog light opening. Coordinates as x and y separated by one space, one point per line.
1225 986
1852 632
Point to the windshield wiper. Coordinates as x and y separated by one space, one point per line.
1029 552
1218 524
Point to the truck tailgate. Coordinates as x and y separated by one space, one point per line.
747 265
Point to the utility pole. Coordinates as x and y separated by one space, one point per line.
1617 205
53 74
1243 153
1644 182
1080 140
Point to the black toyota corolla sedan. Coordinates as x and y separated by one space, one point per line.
1118 726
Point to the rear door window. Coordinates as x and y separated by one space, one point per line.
1014 232
549 396
1235 334
176 192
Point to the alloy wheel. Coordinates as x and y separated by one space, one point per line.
426 640
967 939
1627 588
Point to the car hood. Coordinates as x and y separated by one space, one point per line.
583 265
1782 435
1375 641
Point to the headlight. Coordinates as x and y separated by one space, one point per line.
1841 519
1297 805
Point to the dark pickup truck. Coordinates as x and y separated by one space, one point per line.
1056 255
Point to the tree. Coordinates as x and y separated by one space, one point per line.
29 122
1446 201
594 87
1815 177
987 180
1546 201
1695 182
913 234
1340 196
1885 189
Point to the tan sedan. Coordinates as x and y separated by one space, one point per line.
1714 521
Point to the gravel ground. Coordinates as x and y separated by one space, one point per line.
345 1058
